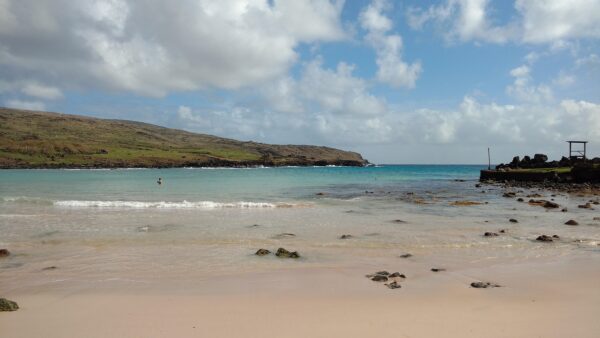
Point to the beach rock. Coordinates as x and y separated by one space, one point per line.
564 210
406 255
382 273
4 253
346 236
502 231
545 238
438 269
490 234
396 275
550 205
398 221
585 206
49 268
320 194
571 222
512 220
8 305
477 185
262 252
283 253
596 218
509 194
484 285
379 278
283 235
520 199
393 285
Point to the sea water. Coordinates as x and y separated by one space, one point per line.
100 227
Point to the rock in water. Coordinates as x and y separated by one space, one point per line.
8 305
512 220
571 222
283 253
545 238
393 285
345 236
406 255
4 253
484 285
550 205
262 252
284 235
585 206
490 234
438 269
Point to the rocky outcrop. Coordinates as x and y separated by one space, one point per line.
283 253
8 305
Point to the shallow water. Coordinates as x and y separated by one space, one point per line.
118 226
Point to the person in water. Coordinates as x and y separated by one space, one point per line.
159 181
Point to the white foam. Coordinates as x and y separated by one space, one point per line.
169 205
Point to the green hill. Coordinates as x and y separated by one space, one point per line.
31 139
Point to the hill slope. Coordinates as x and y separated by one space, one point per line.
49 140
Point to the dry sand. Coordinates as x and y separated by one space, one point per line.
538 299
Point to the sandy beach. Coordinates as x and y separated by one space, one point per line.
538 299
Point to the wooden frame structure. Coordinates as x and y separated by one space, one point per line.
577 154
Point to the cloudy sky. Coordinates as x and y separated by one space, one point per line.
399 81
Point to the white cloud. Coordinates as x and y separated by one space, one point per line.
26 105
523 90
193 45
537 21
388 47
588 61
564 80
42 91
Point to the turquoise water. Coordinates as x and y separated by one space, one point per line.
270 185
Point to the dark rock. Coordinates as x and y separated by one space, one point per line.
283 253
477 185
515 161
393 285
571 222
555 236
398 221
520 199
406 255
484 285
490 234
540 158
4 253
382 273
550 205
49 268
502 231
346 236
585 206
320 194
262 252
8 305
512 220
379 278
564 210
509 194
596 218
397 274
438 269
544 238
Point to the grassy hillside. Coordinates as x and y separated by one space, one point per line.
49 140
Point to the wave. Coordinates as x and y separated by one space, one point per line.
171 205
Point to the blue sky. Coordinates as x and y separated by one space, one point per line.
398 81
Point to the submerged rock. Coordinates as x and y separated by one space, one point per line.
438 269
283 235
585 206
262 252
490 234
512 220
8 305
484 285
49 268
283 253
346 236
545 238
571 222
406 255
4 253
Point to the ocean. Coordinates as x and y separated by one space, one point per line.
101 228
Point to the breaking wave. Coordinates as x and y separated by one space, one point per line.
170 205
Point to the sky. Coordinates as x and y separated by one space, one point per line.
398 81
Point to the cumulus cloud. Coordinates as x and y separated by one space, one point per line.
388 47
42 91
196 44
26 105
523 89
537 21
